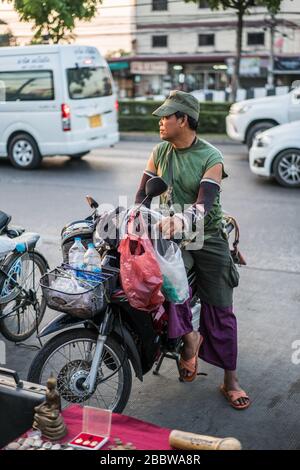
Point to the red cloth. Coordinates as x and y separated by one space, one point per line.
144 436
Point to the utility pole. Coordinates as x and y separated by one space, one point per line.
271 24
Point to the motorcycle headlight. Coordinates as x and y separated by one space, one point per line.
97 240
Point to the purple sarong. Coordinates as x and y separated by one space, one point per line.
179 319
218 327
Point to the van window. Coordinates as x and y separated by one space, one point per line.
29 85
89 82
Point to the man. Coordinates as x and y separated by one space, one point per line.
194 170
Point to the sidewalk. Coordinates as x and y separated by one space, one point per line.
215 139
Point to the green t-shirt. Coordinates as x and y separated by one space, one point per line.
189 166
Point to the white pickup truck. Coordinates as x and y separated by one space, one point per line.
247 118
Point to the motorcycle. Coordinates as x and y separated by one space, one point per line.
91 357
22 305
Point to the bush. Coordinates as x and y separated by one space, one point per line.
137 116
212 122
138 123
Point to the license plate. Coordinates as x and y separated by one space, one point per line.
95 121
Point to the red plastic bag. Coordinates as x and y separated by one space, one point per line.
139 270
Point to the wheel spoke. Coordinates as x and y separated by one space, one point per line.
74 357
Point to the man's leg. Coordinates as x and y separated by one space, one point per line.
190 338
190 346
180 325
231 383
219 328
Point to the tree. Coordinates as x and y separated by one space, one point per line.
241 8
55 19
6 36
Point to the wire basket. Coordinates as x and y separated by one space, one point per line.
78 293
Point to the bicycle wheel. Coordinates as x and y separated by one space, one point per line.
23 318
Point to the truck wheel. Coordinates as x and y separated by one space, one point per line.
256 129
287 168
24 153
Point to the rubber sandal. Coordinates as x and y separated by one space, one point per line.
233 395
190 365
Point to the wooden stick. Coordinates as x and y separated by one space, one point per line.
189 441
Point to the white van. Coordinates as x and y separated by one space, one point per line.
55 100
248 118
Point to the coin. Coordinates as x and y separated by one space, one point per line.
47 445
13 446
24 446
29 441
56 447
37 444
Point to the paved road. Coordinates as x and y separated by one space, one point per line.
267 302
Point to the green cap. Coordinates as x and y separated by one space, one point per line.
179 101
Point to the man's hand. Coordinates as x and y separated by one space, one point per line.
170 226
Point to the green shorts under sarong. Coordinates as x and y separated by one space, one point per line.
216 272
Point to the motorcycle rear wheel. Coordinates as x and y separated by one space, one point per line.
68 356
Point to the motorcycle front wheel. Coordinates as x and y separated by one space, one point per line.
68 356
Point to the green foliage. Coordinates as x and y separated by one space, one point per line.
137 116
55 18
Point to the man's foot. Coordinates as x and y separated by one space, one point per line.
189 356
235 394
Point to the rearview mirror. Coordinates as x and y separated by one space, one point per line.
91 202
155 186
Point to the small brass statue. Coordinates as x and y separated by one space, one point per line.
47 417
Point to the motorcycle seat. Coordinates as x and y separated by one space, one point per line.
4 221
29 239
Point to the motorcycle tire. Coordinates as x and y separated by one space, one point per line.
69 336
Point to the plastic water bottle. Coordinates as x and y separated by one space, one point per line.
92 260
76 254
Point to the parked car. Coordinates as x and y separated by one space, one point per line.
54 100
248 118
276 153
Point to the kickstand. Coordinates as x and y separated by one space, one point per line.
169 355
33 347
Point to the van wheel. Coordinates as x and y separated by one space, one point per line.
23 152
256 129
78 156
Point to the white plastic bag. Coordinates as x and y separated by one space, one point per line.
175 283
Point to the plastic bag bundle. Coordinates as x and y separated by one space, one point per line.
140 273
175 283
